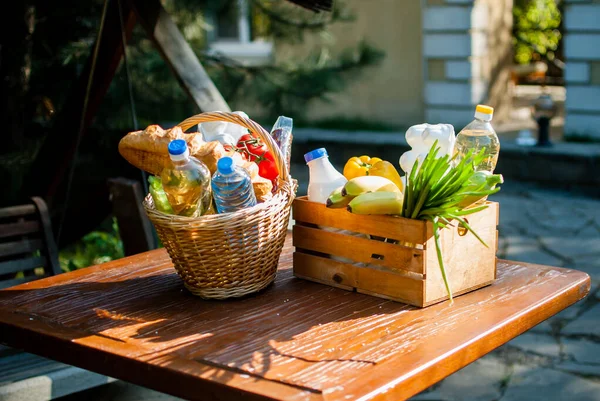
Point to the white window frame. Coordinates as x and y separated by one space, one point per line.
243 50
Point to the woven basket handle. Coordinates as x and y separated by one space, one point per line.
247 123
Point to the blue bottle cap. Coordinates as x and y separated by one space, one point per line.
315 154
177 147
225 165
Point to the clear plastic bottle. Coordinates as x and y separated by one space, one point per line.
186 182
282 134
323 177
232 187
477 135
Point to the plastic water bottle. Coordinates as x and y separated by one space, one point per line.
323 177
232 187
476 136
186 182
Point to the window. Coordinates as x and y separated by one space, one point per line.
231 35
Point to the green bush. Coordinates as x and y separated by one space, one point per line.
94 248
536 29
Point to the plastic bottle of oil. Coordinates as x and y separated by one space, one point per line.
477 135
186 182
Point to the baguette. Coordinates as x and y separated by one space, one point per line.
148 149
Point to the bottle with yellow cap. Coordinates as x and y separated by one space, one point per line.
478 135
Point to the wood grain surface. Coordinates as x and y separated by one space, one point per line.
297 340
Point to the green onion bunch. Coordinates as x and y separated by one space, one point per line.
442 191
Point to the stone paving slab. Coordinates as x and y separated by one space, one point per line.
587 324
535 383
583 351
540 344
586 370
476 382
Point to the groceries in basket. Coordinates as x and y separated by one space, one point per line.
233 167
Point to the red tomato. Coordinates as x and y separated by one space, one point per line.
255 150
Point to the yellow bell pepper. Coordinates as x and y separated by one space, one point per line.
359 166
386 169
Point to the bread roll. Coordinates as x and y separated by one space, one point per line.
251 168
209 153
262 188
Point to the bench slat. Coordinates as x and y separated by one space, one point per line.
20 247
22 228
19 265
17 211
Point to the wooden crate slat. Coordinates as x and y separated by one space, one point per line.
359 249
469 264
470 260
19 247
397 228
17 211
22 228
350 277
19 265
325 271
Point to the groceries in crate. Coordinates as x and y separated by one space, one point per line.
477 136
232 187
443 184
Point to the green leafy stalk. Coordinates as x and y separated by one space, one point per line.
442 193
438 250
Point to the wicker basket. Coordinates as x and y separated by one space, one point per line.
232 254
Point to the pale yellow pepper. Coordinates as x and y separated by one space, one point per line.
359 166
387 170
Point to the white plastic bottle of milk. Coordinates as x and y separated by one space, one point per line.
323 177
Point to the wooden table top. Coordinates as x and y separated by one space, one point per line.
132 319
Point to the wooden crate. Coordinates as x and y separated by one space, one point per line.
392 257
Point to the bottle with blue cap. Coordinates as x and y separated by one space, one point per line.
323 177
232 187
186 182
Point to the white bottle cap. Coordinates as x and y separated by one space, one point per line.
483 112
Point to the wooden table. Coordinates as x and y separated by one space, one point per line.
297 340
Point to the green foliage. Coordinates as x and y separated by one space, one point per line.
285 89
94 248
536 29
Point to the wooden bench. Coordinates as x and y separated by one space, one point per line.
28 252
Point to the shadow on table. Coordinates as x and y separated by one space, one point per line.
291 326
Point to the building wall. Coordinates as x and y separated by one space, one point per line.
391 92
467 53
582 74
